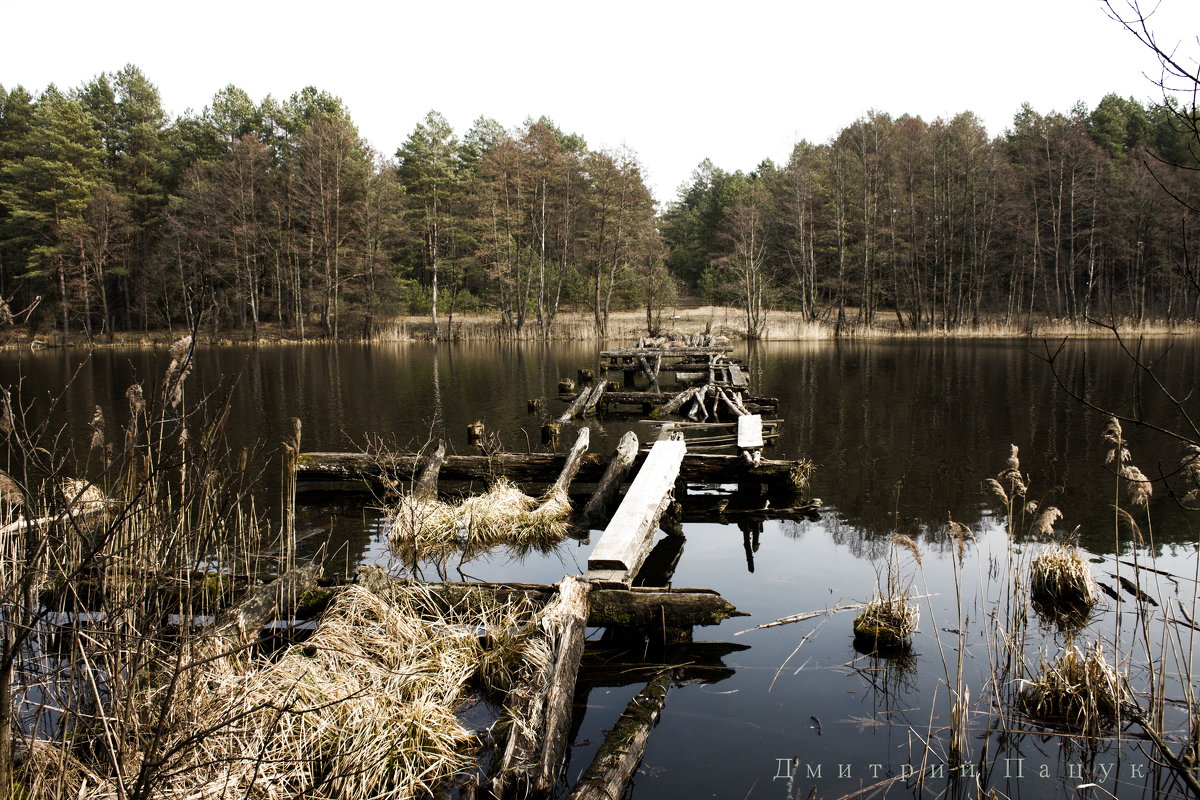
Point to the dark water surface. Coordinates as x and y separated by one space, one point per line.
902 434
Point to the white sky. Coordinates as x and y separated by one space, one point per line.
675 81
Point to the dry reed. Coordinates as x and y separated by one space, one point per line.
364 709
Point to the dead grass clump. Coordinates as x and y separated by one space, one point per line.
887 623
430 529
365 708
1060 578
1191 470
1079 691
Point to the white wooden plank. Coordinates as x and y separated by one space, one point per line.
750 432
626 541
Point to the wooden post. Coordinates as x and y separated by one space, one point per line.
571 467
597 507
623 747
427 483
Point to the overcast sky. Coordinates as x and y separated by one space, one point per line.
674 81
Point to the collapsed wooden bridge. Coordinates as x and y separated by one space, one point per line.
629 496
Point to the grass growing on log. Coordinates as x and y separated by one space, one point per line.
433 530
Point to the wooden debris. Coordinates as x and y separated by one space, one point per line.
427 483
622 608
571 466
597 509
537 467
540 711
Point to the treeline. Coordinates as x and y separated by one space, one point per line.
937 225
116 216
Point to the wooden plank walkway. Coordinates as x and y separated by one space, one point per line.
627 540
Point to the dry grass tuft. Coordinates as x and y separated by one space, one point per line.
887 623
1010 478
364 709
1079 691
992 485
1060 579
1191 470
1138 487
429 529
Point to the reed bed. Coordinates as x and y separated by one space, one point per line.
887 623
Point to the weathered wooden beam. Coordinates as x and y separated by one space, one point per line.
623 747
630 533
750 437
541 710
540 468
427 483
597 509
593 400
241 624
574 461
678 401
618 608
752 404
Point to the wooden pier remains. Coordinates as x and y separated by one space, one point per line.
696 399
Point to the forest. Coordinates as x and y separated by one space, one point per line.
274 218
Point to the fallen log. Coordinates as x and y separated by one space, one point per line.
625 608
597 509
240 625
677 402
535 467
539 712
623 747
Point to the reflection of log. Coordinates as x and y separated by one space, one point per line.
541 710
610 771
535 467
597 509
604 665
630 608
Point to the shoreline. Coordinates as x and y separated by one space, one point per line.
782 326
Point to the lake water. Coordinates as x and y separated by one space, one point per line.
902 435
